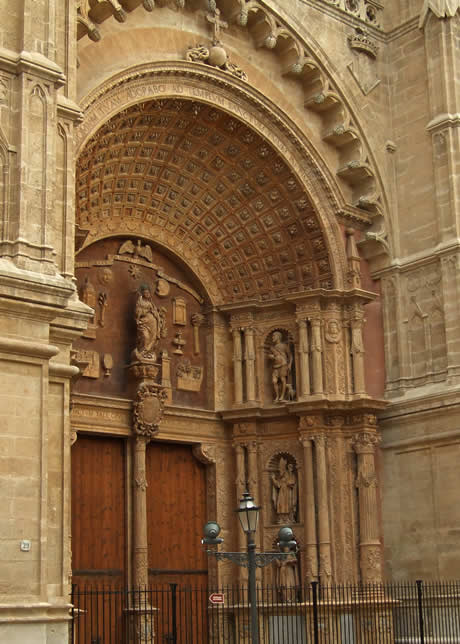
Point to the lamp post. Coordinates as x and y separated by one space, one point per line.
248 514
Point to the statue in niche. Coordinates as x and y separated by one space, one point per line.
151 325
281 356
287 578
284 492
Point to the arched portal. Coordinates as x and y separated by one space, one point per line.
200 192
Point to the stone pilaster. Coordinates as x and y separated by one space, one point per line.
240 487
308 501
370 549
250 364
237 367
357 350
317 354
303 360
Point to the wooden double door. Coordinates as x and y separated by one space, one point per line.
102 539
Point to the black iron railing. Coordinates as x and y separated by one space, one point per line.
395 613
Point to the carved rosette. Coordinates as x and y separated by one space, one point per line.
148 410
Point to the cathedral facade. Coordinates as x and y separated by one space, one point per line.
228 262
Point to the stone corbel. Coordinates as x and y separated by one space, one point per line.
83 19
205 453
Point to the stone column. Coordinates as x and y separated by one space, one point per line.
240 487
308 494
240 478
317 355
370 549
304 375
357 351
237 367
253 478
140 554
324 534
250 362
197 320
147 414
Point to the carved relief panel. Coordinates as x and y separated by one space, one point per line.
144 305
424 327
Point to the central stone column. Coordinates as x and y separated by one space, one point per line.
140 556
147 414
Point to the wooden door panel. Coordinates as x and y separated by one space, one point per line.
98 510
176 512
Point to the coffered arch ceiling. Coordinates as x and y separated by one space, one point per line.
356 170
212 183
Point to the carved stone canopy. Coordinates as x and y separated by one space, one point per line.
206 177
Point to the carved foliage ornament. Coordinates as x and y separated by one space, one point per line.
366 442
148 409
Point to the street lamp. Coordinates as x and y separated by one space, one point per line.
248 514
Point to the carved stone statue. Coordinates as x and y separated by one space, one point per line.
284 492
332 333
151 325
287 578
281 356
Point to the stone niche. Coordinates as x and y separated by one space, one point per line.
110 274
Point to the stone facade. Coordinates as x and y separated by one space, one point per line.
284 177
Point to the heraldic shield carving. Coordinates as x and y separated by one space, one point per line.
148 409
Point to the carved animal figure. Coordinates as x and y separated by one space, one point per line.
137 250
290 391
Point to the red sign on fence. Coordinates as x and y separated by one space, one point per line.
217 598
